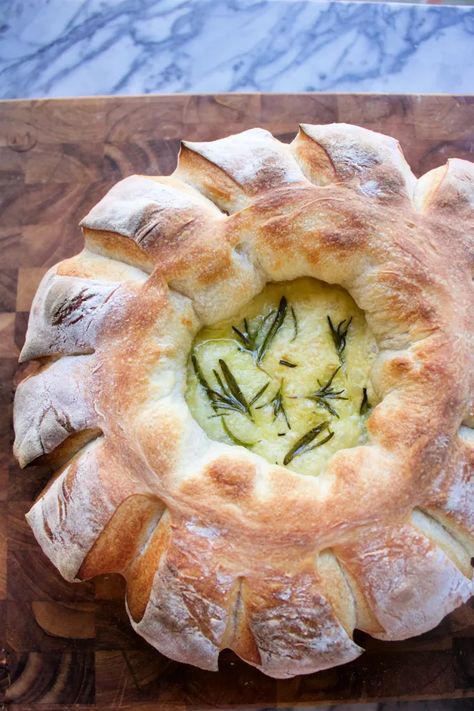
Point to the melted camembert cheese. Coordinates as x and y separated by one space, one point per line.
288 376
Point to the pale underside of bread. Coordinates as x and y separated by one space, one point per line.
219 548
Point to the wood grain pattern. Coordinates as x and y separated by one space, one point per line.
72 644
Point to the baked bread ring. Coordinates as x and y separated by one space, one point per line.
220 546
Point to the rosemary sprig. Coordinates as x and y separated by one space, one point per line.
365 404
277 405
339 335
288 363
257 342
230 397
302 445
327 392
234 438
247 338
233 388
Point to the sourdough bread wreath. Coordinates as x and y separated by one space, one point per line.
256 384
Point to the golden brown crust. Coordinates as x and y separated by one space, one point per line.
278 566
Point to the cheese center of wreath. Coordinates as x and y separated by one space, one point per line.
286 377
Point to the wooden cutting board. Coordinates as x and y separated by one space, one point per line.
72 644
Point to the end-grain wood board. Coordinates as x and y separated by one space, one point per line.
72 644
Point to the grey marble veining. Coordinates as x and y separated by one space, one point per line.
81 47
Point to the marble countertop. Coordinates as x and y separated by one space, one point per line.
51 48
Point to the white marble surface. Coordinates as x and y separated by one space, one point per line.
81 47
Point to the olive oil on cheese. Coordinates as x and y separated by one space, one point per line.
286 376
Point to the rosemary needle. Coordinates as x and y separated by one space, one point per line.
233 386
365 404
295 325
288 363
273 330
258 395
302 445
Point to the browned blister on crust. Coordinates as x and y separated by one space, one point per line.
219 548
